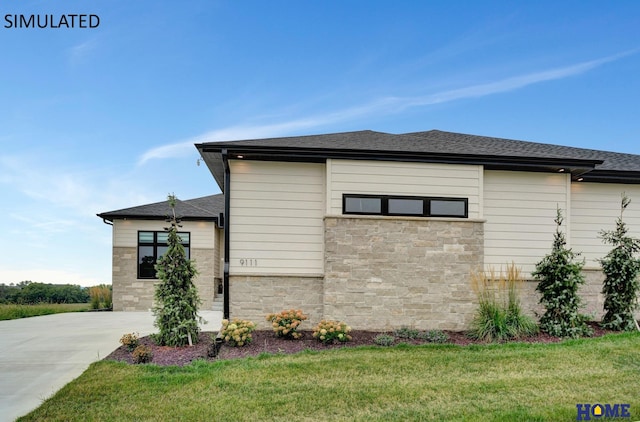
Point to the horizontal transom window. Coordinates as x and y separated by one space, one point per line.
417 206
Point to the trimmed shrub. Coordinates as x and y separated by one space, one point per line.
142 354
237 333
130 340
328 331
286 323
434 336
384 340
406 332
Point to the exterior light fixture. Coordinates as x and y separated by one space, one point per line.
580 179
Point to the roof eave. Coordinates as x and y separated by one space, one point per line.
111 217
252 152
611 176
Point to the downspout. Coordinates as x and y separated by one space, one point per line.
227 207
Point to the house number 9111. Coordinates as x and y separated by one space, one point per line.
248 262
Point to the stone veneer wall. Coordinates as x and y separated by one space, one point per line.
590 293
383 272
133 294
254 297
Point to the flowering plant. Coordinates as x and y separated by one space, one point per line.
130 340
285 324
328 331
237 332
142 354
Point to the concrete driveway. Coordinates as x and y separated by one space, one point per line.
40 355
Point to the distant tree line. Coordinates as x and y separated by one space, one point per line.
28 292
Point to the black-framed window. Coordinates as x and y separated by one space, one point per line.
416 206
151 246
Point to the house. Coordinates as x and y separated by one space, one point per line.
139 238
382 230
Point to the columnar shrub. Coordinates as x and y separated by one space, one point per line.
286 323
176 296
559 276
237 332
328 331
499 316
621 268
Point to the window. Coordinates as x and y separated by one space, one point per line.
448 207
417 206
151 246
362 205
400 206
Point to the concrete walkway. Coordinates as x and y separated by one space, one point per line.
40 355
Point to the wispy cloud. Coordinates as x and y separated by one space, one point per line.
386 105
186 148
79 52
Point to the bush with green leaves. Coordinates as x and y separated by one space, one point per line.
237 333
434 336
384 339
177 300
621 268
406 332
286 323
559 276
328 331
499 316
142 354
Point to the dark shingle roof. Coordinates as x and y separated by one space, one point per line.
431 146
205 208
484 145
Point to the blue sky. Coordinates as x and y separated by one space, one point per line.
93 120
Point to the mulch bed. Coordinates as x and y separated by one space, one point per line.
264 341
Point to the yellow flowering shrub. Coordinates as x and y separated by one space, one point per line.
237 333
328 331
286 323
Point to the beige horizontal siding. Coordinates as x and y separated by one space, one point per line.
277 218
519 208
125 232
595 207
402 178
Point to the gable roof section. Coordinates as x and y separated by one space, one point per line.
206 208
508 147
430 146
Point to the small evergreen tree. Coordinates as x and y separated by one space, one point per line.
177 301
559 276
620 287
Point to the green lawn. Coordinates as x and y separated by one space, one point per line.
25 311
516 382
